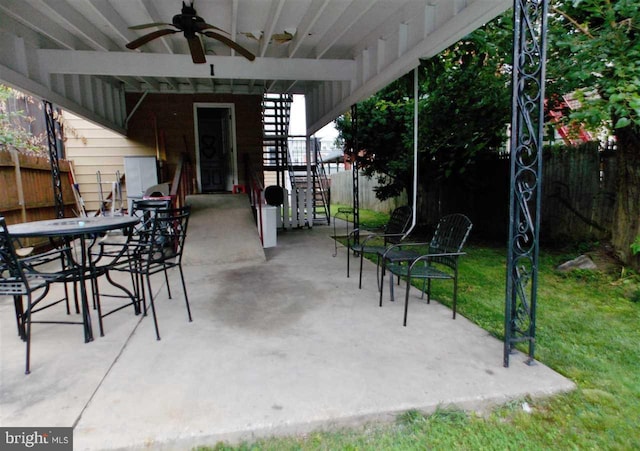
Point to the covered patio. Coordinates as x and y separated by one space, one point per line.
278 345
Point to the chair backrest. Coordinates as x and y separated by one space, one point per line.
12 278
168 234
450 236
145 209
398 224
159 190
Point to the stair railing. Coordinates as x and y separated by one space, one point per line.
323 181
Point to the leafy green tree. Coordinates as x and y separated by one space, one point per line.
383 141
14 125
463 111
467 105
594 52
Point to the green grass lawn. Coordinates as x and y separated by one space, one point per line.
588 329
369 219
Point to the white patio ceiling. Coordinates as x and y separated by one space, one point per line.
72 52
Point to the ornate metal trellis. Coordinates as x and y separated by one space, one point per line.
51 122
354 172
527 126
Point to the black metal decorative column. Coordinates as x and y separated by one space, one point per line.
527 126
53 157
354 172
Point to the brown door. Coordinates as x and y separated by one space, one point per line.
214 148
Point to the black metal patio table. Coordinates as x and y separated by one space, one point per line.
71 229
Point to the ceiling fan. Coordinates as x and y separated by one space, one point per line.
191 25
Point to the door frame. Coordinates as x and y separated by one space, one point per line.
232 175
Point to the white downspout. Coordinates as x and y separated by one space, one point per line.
415 150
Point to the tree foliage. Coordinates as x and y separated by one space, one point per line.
595 53
15 130
383 139
467 105
463 112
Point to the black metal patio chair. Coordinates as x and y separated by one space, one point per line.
440 261
393 233
157 249
31 277
116 250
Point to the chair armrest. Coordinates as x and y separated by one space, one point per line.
36 265
113 251
382 235
426 257
46 257
401 246
355 231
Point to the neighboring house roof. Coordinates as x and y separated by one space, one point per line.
333 156
335 52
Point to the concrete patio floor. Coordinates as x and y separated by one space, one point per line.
282 342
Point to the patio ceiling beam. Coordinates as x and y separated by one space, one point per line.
154 65
406 56
76 22
114 21
308 21
348 19
234 23
25 15
132 82
157 18
270 25
86 109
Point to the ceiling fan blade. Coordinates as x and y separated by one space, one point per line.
234 45
149 37
201 26
197 52
149 25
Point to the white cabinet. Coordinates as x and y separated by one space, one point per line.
140 174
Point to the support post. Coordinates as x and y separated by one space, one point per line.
53 158
354 173
527 127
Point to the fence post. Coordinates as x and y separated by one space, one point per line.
16 163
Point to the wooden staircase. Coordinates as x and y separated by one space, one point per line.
290 171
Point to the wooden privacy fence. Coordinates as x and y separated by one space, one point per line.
578 194
342 193
27 189
579 186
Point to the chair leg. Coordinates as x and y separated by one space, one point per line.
135 270
66 297
184 288
348 259
455 296
393 299
153 306
27 325
99 307
381 284
406 299
360 279
139 291
19 309
75 297
166 279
